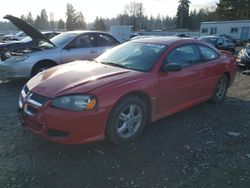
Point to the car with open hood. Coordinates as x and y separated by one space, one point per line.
14 37
115 95
25 43
64 48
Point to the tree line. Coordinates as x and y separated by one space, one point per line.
134 15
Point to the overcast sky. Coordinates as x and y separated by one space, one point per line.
93 8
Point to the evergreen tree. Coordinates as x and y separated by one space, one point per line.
80 21
233 9
61 25
52 22
23 17
44 20
71 17
99 24
29 18
38 22
183 20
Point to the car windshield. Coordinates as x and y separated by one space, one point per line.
62 39
20 33
211 40
26 39
133 55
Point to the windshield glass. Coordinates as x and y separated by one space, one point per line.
133 55
62 39
211 40
26 39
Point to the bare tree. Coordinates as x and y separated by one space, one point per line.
135 11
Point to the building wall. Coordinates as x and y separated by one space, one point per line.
226 27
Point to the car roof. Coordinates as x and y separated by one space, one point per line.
209 37
85 31
167 40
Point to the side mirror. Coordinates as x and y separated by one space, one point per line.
171 67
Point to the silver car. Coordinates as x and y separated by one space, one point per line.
64 48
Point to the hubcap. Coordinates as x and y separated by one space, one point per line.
221 89
129 121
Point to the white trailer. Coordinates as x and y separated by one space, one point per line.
121 32
239 29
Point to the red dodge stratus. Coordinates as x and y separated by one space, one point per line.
116 94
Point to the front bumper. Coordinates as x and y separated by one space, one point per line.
244 62
14 70
63 126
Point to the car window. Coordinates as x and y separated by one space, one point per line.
184 55
207 54
105 40
227 41
50 35
63 39
83 41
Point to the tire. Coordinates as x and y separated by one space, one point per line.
127 120
41 67
220 90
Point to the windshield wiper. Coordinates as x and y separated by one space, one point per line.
114 64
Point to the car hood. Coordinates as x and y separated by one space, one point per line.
76 77
3 45
27 28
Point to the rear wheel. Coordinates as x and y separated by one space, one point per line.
126 120
221 90
41 67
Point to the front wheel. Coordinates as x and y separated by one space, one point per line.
41 67
221 90
126 120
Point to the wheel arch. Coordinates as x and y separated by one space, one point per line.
48 61
228 75
144 97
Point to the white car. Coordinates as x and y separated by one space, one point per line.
17 37
64 48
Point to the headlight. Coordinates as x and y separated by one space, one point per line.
75 102
16 59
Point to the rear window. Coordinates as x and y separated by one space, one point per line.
207 54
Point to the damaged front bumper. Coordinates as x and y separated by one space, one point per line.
9 71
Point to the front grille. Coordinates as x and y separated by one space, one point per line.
41 100
31 102
24 92
26 89
33 125
31 109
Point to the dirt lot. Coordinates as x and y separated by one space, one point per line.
206 146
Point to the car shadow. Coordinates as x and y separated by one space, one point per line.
169 131
164 148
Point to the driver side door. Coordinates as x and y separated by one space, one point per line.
179 88
81 48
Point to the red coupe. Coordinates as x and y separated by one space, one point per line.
116 94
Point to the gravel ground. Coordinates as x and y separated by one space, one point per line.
206 146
